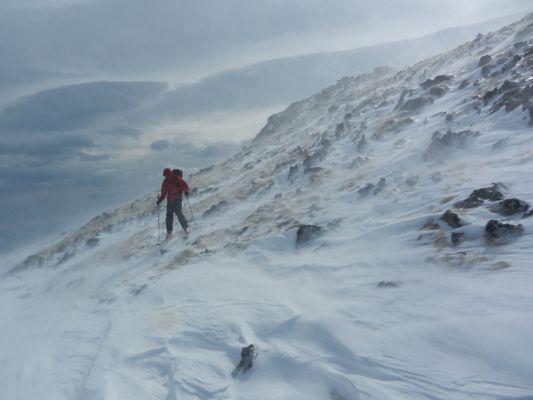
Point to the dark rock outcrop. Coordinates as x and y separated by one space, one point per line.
436 81
437 91
478 196
451 219
487 97
307 233
484 60
92 242
293 173
416 104
496 230
362 144
388 284
456 238
215 208
441 145
248 355
464 84
372 188
510 206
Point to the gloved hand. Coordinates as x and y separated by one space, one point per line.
187 194
158 201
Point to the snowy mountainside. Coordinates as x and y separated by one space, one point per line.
392 297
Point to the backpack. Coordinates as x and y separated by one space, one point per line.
177 172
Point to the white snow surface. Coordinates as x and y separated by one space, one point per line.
102 314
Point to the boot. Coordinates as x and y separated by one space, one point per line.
169 236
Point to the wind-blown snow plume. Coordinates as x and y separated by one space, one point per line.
408 193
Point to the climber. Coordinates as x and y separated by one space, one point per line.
172 188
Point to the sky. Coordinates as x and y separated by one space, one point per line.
97 97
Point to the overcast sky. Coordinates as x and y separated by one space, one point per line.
97 96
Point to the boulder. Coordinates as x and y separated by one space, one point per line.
442 145
293 173
307 233
510 206
478 196
436 81
362 144
485 70
92 242
215 208
484 60
339 129
451 219
464 84
437 91
487 97
497 230
456 238
416 104
248 355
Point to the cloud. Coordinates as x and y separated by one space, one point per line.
127 131
183 36
159 145
73 107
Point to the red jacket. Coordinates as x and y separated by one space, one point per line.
172 187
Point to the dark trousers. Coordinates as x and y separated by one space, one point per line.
174 207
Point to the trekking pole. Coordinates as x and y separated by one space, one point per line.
190 209
158 235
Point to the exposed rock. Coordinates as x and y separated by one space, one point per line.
389 284
405 93
307 233
367 189
497 230
293 173
339 129
416 104
456 238
334 395
358 161
451 219
485 70
513 97
476 198
215 208
35 260
491 193
65 257
500 144
520 45
92 242
248 355
449 117
464 84
436 81
380 186
489 95
511 63
437 91
485 60
372 188
362 144
510 206
394 125
441 145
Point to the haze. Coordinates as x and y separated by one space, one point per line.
96 97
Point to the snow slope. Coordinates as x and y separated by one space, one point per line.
390 302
